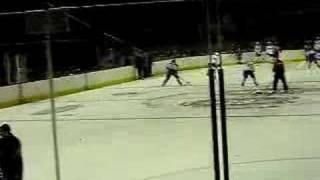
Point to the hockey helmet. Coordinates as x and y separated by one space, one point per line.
269 43
5 127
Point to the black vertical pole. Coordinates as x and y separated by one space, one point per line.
212 89
51 95
222 94
214 122
223 124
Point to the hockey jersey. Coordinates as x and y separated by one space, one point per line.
258 49
249 66
316 45
172 66
310 53
215 59
317 55
278 67
270 49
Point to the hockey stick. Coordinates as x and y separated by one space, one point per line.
186 82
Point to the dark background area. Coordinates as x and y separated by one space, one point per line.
156 28
180 23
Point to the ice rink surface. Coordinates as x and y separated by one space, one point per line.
141 131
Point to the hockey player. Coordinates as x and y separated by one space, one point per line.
269 48
215 59
238 54
249 70
310 54
279 74
258 49
172 70
308 44
10 154
316 43
272 50
316 47
139 63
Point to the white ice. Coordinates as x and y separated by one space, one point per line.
141 131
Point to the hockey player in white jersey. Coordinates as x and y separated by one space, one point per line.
249 70
310 54
272 50
172 70
258 51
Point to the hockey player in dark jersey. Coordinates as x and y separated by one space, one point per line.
172 70
279 74
10 154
